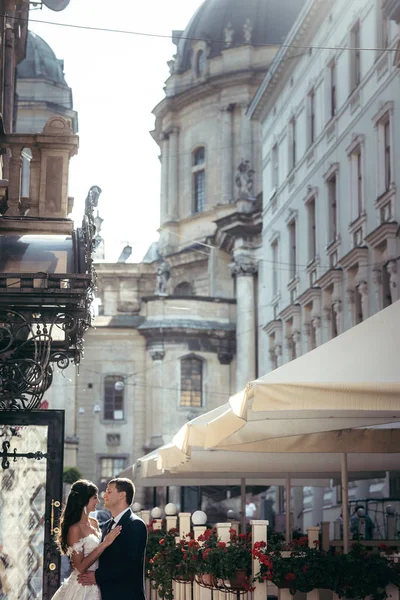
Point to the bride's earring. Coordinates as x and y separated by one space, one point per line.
85 510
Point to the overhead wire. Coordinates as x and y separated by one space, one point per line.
192 38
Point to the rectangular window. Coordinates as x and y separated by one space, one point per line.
199 191
387 154
114 398
312 233
359 181
332 90
311 117
355 56
292 144
275 167
332 207
110 467
292 249
275 249
191 382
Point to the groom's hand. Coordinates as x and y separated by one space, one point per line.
87 578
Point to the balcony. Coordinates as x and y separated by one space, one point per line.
391 9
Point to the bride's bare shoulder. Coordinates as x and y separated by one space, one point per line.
75 533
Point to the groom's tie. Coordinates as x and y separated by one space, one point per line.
109 526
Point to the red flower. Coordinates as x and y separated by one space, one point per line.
162 542
242 536
316 543
205 553
290 576
221 545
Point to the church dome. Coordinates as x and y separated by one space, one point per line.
40 62
230 23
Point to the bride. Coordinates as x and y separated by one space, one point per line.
80 539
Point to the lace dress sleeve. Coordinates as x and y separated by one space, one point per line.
77 547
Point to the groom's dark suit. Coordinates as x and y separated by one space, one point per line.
121 566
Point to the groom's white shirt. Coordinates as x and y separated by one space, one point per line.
119 517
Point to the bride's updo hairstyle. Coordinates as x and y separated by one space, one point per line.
78 498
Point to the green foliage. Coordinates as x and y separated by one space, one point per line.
71 474
358 574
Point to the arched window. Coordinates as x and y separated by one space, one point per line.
199 179
200 63
183 289
191 382
114 398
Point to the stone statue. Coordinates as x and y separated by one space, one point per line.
228 31
92 199
248 31
163 275
244 179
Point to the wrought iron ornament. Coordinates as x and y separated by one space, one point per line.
5 455
29 346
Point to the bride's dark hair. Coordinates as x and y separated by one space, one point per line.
78 498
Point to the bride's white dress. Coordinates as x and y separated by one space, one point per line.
71 589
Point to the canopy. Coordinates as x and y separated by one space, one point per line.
351 381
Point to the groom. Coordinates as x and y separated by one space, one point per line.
121 566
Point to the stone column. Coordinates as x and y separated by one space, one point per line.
351 306
307 334
296 337
392 270
14 185
173 178
227 155
246 137
164 179
377 283
338 312
244 268
316 323
363 291
157 354
327 320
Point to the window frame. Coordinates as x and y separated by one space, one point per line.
311 207
332 88
112 457
293 249
292 145
202 362
116 377
355 56
199 172
332 206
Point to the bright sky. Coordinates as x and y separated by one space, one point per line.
116 81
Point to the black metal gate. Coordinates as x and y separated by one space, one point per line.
31 455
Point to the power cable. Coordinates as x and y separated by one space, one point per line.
196 39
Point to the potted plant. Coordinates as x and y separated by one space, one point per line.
297 568
173 561
211 554
364 572
237 561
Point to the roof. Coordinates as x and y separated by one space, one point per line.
40 62
231 23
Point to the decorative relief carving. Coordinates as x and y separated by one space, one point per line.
244 264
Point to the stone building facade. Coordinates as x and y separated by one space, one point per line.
331 208
176 334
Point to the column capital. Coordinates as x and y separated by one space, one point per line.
244 264
157 352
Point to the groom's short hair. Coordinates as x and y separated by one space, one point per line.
123 484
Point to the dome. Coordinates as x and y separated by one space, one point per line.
229 23
40 62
